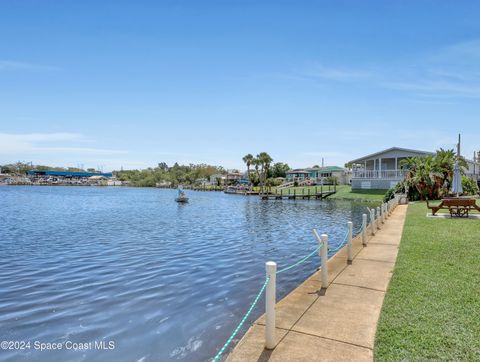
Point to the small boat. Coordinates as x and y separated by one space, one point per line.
182 197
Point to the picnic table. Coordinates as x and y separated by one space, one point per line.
459 207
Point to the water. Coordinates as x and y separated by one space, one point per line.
161 281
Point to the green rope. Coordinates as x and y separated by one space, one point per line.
300 261
242 321
341 245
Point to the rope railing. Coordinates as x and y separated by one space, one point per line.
322 249
262 289
239 326
342 244
301 261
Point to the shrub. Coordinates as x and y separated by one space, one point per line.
389 194
332 180
469 186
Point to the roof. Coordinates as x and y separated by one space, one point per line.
327 169
298 170
372 155
319 169
67 173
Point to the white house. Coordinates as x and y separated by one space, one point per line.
318 174
381 170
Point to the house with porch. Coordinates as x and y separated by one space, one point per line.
381 170
318 174
297 175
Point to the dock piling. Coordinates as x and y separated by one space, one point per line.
378 217
364 229
349 242
324 260
372 221
323 253
270 300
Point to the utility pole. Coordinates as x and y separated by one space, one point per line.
474 163
458 146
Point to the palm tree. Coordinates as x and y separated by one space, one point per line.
248 159
431 176
265 162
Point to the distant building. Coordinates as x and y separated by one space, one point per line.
49 177
217 179
114 183
297 175
233 177
67 174
319 174
381 170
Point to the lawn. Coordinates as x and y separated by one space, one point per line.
343 192
432 307
346 192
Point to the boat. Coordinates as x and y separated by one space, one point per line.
182 197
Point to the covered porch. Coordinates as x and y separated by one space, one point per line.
381 170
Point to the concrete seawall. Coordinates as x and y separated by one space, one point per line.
337 323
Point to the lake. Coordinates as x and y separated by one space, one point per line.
152 279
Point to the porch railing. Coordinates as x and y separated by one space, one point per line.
383 174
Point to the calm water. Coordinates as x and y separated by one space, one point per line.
161 280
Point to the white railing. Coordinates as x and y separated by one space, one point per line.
384 174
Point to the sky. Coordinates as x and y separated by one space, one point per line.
127 84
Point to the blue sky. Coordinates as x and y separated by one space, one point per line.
133 83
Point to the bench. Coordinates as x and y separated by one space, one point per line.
456 207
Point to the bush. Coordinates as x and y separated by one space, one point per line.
469 186
389 194
332 180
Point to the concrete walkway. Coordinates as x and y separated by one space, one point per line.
339 323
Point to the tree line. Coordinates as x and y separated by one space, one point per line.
260 171
172 175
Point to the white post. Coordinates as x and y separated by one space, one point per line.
270 299
372 221
383 213
323 253
324 257
364 229
378 217
349 242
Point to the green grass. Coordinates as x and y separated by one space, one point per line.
432 307
346 192
343 192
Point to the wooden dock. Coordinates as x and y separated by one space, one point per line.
318 193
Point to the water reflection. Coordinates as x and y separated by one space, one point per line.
165 281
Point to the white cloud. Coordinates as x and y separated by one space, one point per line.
315 70
451 71
27 144
12 65
437 88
